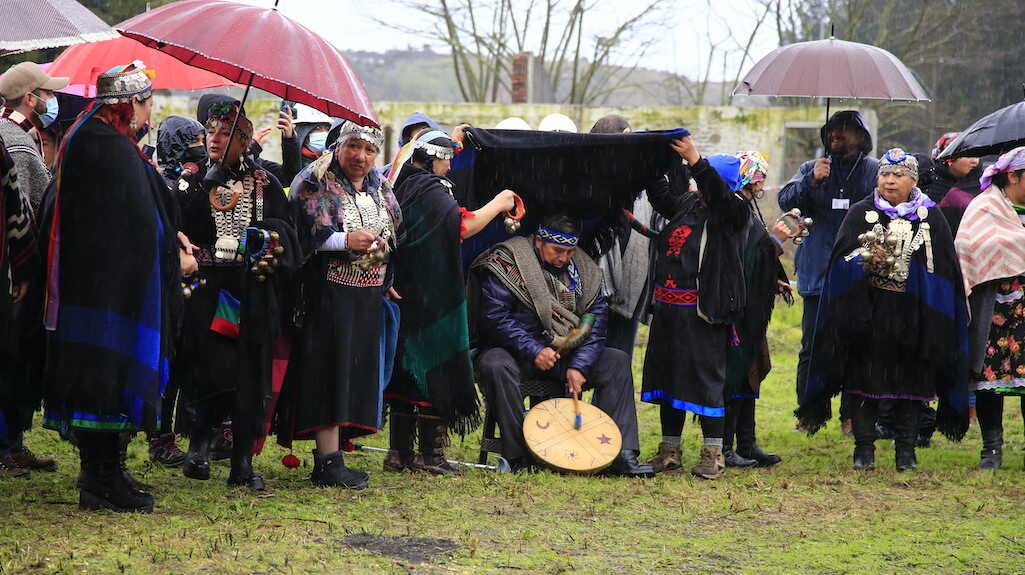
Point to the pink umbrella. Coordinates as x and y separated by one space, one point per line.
82 63
256 47
832 69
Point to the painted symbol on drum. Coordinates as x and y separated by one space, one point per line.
604 439
539 426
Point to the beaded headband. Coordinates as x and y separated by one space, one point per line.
897 161
123 83
558 238
224 112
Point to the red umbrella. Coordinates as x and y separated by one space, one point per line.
832 69
82 63
257 47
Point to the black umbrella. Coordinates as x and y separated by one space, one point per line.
996 133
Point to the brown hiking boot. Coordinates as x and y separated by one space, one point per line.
667 460
712 464
8 468
25 459
433 440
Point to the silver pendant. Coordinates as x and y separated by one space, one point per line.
226 248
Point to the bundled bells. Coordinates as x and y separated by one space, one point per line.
797 224
263 260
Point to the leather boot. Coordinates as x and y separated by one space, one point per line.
864 427
400 438
242 467
626 465
433 440
102 483
221 441
992 456
712 464
747 444
734 459
905 434
124 438
667 460
197 460
330 471
864 457
25 459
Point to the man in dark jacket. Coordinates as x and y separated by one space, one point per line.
534 293
824 189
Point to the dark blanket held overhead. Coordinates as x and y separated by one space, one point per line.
589 176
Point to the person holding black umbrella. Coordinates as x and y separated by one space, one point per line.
824 189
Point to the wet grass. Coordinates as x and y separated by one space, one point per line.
811 514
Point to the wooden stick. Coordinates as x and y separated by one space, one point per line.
578 421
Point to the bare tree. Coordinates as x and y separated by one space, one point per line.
581 67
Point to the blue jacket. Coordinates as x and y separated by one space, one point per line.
850 178
505 322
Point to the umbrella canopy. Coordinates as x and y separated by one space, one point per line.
256 46
82 63
27 25
996 133
832 69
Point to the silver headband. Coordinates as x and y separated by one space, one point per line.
370 134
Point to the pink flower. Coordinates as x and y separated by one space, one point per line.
991 351
988 374
999 320
1013 345
1005 365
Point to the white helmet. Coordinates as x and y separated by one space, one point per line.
307 115
557 123
513 123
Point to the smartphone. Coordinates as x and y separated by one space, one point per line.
286 105
148 150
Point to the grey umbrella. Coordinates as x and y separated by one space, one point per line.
996 133
27 25
832 69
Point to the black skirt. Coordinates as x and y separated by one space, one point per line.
334 376
685 364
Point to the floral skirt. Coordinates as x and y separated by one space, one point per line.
1004 367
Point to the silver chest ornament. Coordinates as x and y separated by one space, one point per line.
886 252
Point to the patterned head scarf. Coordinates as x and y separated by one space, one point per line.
754 168
124 83
350 129
942 144
897 161
1010 162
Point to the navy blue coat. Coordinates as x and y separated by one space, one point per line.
851 178
506 323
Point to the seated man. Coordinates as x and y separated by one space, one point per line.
533 292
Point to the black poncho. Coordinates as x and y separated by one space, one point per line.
880 343
433 362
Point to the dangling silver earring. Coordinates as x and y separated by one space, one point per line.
134 124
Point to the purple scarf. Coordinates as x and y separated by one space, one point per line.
907 210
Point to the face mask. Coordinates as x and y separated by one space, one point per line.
316 141
195 154
50 115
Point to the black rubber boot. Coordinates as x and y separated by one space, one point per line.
864 422
626 465
242 467
747 444
197 459
989 408
101 483
400 437
905 429
330 471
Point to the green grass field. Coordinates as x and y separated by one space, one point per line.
811 514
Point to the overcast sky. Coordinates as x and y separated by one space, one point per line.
683 49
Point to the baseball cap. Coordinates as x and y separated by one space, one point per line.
25 77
